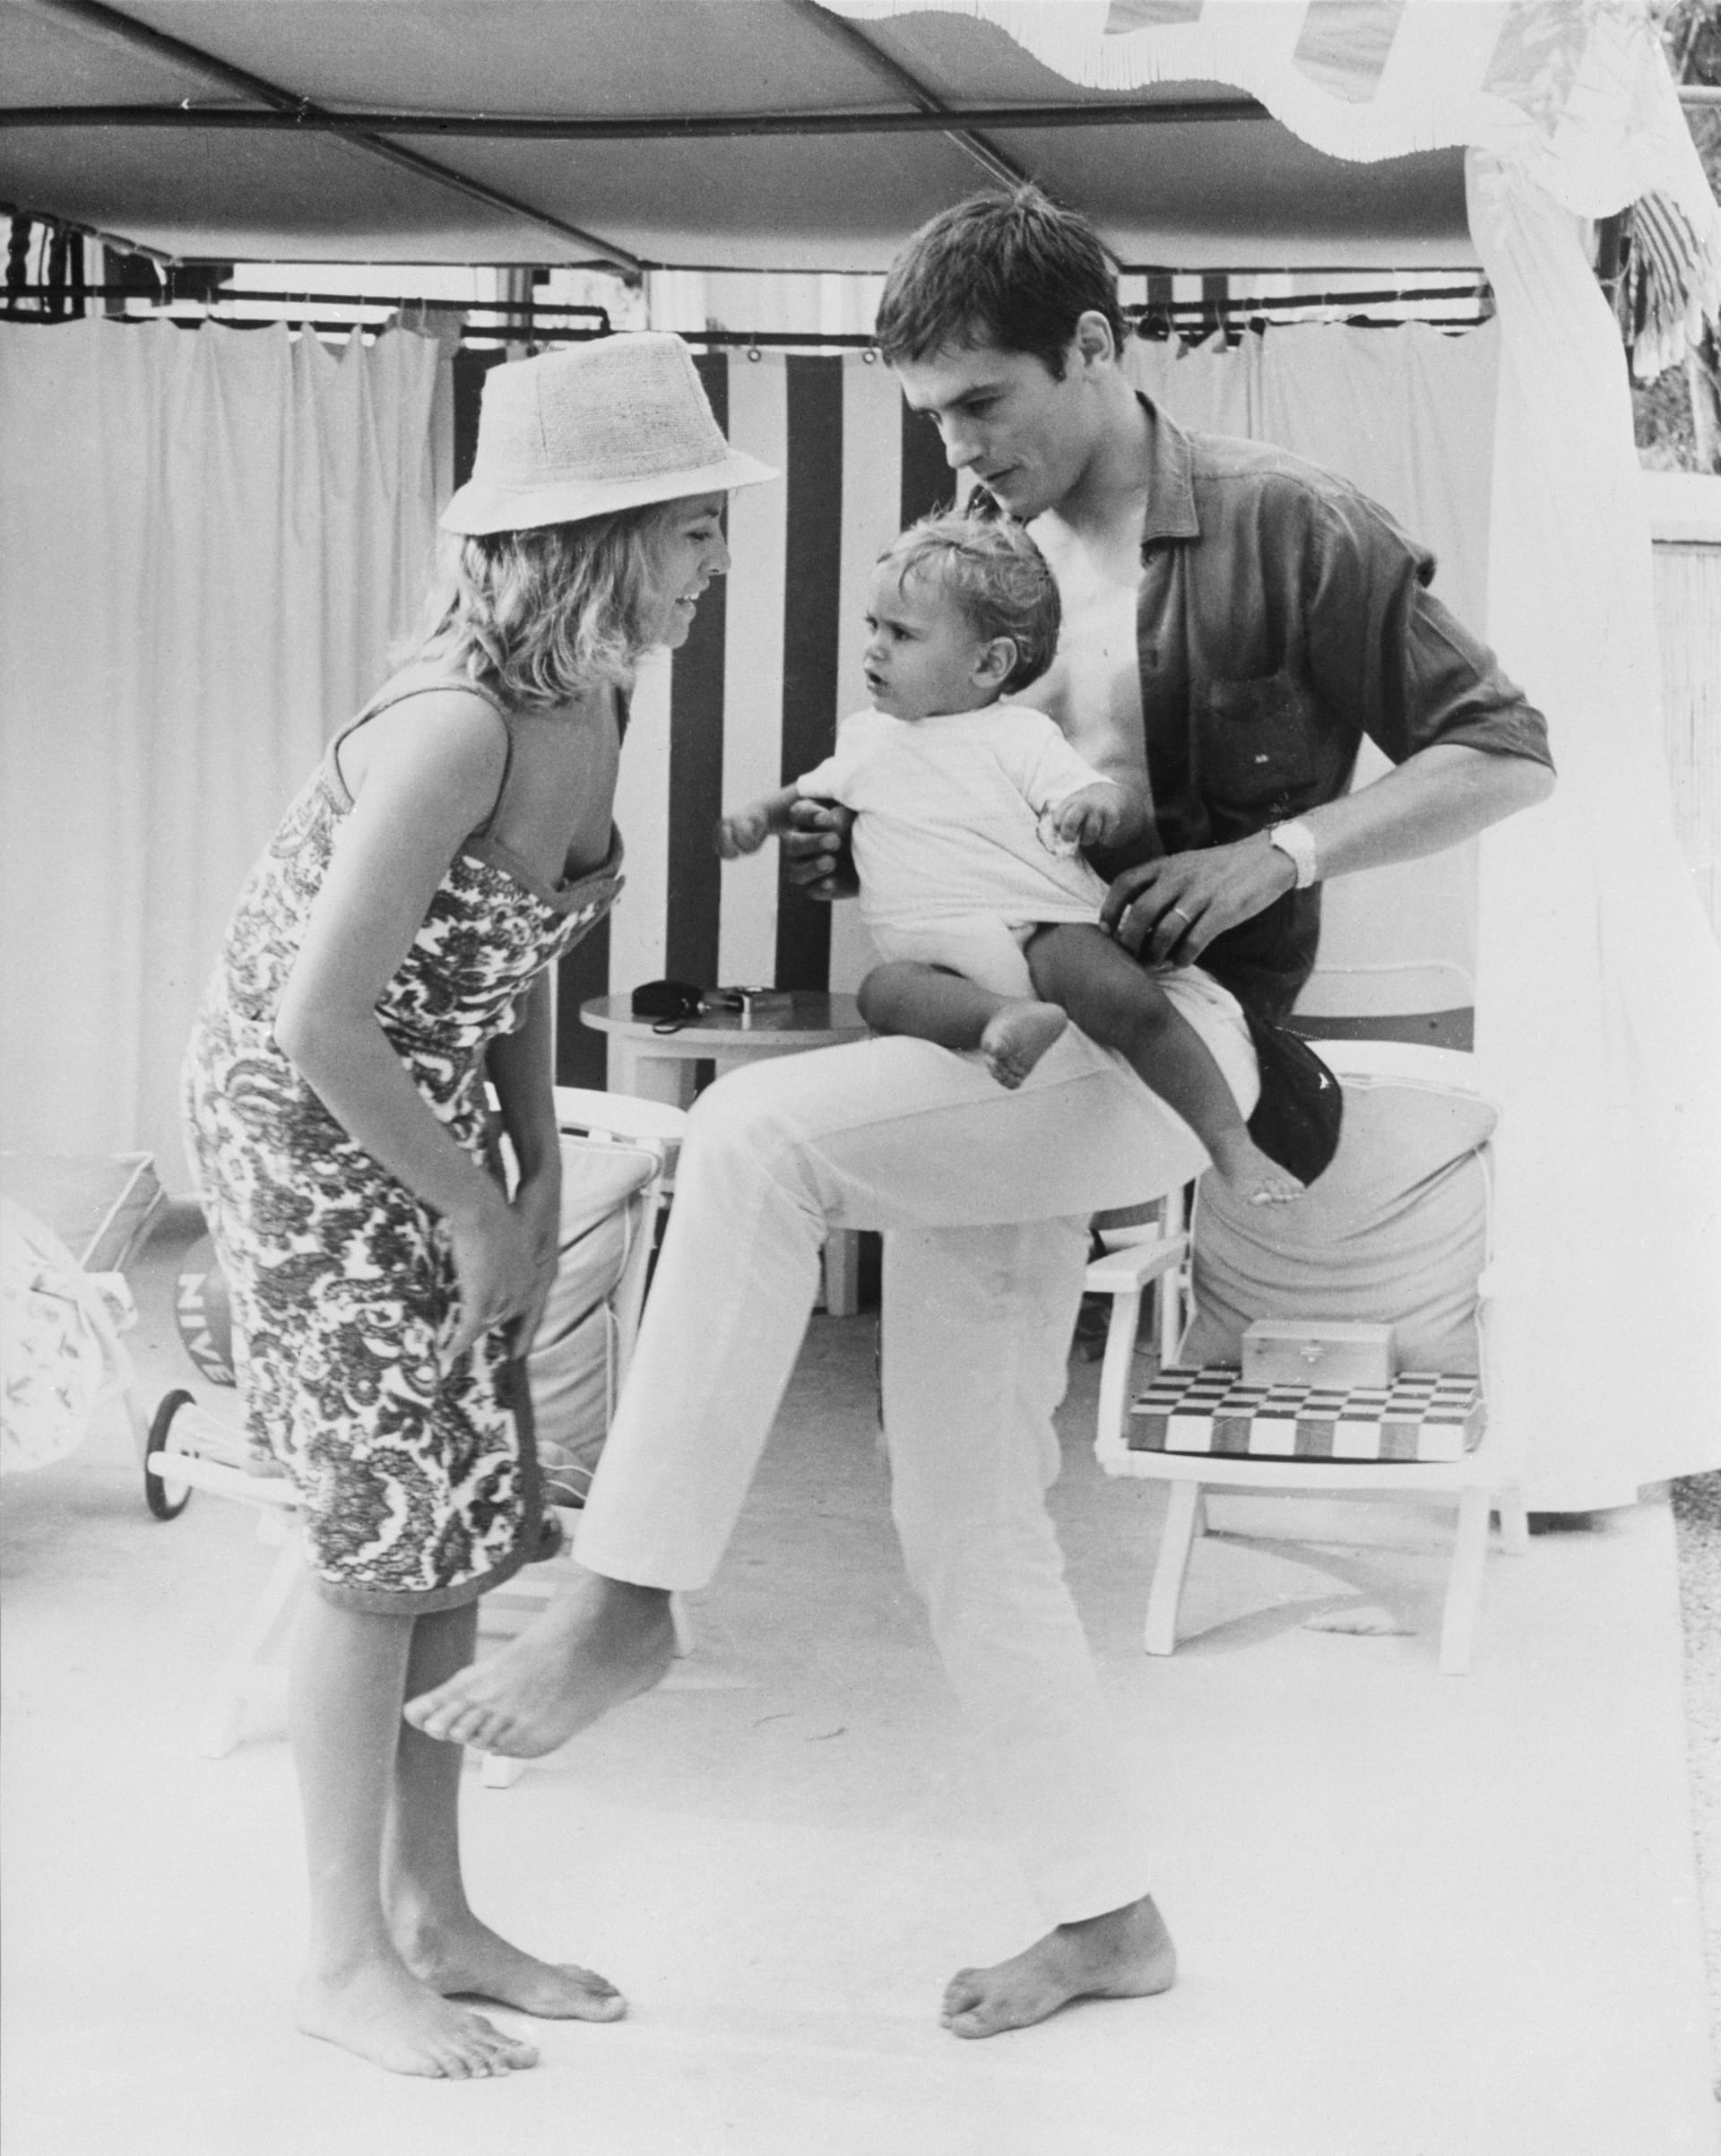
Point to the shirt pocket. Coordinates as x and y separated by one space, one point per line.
1254 741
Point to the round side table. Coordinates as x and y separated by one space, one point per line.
658 1066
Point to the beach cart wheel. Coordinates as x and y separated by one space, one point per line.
166 1498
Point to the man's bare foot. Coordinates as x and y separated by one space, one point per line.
1126 1954
600 1642
1018 1035
1249 1173
466 1959
383 2012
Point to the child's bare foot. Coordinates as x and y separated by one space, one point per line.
385 2014
600 1642
1249 1173
1126 1954
467 1959
1018 1035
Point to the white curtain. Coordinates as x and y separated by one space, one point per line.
211 538
1599 1015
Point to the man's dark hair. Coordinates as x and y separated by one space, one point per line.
1014 269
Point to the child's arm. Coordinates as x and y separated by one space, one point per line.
430 780
1081 807
1095 815
746 830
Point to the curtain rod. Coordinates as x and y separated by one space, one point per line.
484 127
1234 317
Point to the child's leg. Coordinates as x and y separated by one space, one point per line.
1115 1003
349 1681
1011 1033
438 1937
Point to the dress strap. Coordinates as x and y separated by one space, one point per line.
396 692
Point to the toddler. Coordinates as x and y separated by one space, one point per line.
969 818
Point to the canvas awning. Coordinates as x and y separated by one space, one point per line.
1247 131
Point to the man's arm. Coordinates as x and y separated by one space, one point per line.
1172 908
1386 658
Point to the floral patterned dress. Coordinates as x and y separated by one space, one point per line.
416 1470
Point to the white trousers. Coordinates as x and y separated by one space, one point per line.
984 1197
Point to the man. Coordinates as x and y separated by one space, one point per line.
1235 621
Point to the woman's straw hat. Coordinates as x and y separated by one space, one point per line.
610 425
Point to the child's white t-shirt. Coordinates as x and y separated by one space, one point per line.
947 813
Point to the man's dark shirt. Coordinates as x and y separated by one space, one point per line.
1283 615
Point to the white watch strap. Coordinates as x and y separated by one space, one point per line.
1298 840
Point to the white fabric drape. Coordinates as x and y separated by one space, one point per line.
211 538
1599 1012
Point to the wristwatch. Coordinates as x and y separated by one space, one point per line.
1297 841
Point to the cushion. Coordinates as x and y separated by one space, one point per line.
1395 1231
1420 1417
572 1366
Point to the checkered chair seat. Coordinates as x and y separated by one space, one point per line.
1420 1416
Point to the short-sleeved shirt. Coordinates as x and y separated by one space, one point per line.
948 814
1282 616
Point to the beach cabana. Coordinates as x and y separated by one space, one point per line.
215 536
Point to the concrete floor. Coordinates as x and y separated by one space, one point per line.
1419 1916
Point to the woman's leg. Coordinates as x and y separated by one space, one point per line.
434 1929
348 1680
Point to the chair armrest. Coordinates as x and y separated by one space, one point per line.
1128 1269
617 1115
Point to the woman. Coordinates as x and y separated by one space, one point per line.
389 953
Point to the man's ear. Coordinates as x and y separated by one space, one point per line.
1094 342
996 663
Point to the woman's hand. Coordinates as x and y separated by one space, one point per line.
498 1267
537 1208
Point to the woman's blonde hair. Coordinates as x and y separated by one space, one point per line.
537 616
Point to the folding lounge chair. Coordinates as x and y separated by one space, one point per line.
1395 1235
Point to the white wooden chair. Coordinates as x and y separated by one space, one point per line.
617 1154
1395 1231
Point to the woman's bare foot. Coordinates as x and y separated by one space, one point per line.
1249 1173
600 1641
1126 1954
1016 1037
466 1959
382 2012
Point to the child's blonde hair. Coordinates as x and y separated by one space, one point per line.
539 615
997 576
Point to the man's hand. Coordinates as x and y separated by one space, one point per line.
1168 911
816 850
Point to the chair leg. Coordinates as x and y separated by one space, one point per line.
1514 1520
243 1672
1464 1583
1116 1369
1160 1635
